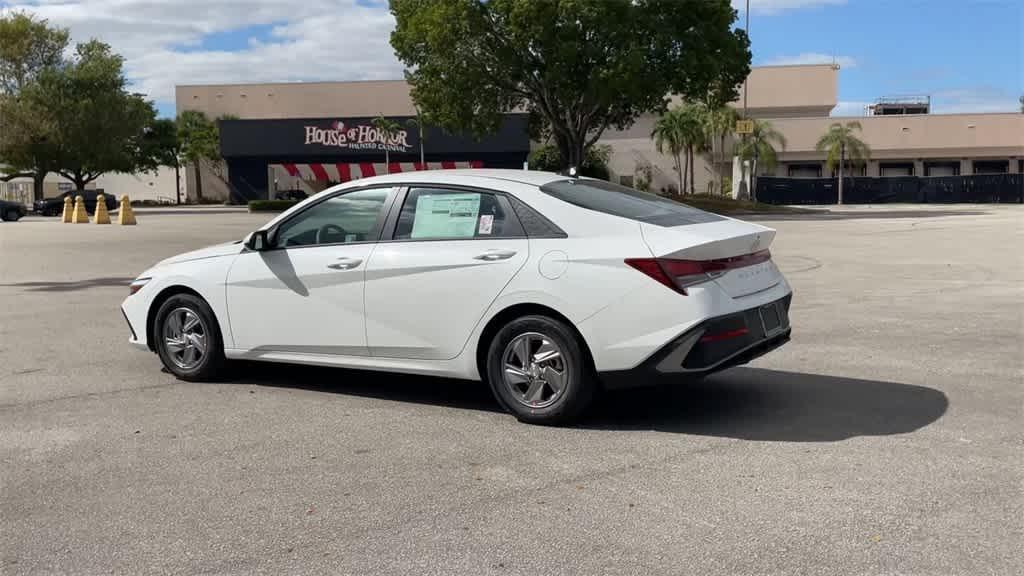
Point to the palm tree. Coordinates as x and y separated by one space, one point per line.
840 142
759 146
389 128
680 131
719 123
670 135
695 135
419 123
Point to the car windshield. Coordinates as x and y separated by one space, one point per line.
617 200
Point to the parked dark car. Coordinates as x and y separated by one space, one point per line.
11 211
297 195
55 206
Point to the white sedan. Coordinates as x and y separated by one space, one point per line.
546 287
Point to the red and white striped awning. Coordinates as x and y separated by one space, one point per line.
343 172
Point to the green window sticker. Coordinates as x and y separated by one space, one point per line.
446 216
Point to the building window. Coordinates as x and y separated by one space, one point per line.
991 166
851 169
951 168
896 169
804 170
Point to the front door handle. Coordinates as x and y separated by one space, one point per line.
345 263
492 255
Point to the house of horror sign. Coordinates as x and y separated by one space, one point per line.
357 136
336 148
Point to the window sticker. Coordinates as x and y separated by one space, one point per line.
446 216
486 223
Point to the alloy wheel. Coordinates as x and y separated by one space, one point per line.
534 370
185 338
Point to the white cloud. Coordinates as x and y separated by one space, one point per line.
311 40
813 58
776 6
973 100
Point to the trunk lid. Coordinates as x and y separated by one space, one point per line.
721 240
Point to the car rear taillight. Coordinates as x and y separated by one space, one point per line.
679 274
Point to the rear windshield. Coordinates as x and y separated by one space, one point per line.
616 200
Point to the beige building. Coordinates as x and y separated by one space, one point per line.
797 100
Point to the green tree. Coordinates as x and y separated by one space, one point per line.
199 142
101 126
670 137
28 143
839 143
595 165
581 65
161 147
419 123
680 131
389 128
759 147
719 122
696 136
28 45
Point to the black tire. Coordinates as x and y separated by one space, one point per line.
12 215
211 364
579 383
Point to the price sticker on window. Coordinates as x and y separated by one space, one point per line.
486 223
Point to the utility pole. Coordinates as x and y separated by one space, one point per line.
743 168
747 81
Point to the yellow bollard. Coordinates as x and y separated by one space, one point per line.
65 217
79 215
125 215
102 216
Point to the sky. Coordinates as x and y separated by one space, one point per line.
968 55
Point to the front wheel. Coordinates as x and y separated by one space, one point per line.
538 371
188 338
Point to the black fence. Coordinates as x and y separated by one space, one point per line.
975 189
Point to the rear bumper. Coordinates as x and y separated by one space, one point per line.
713 345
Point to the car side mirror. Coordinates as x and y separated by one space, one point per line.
258 241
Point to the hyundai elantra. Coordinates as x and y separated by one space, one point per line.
544 286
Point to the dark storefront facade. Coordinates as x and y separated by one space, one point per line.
264 157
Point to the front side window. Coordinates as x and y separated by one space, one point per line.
616 200
437 214
352 217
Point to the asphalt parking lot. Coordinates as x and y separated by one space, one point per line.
886 438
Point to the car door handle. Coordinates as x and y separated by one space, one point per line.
345 264
492 255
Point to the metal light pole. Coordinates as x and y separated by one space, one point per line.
747 81
743 168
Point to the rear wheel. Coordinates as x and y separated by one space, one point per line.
537 370
12 215
188 338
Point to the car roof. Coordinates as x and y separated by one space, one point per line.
534 177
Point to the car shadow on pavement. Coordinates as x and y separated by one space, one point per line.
743 403
72 286
465 394
771 405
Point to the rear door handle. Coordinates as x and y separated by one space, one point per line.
492 255
344 263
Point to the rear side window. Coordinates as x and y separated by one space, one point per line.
617 200
438 213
